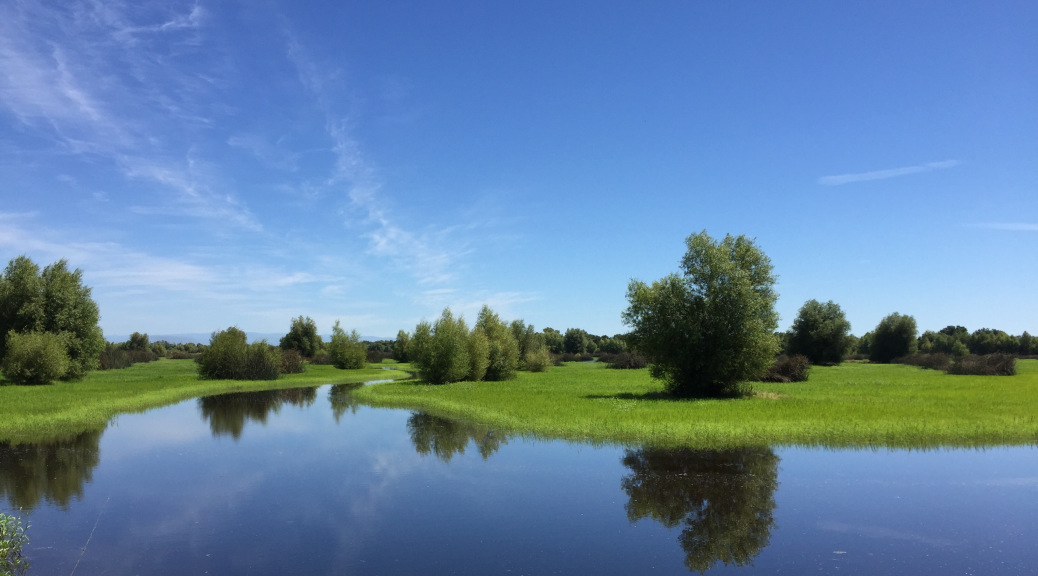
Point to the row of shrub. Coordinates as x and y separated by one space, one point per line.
624 360
793 368
116 358
996 364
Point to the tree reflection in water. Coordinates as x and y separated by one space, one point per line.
723 499
52 471
227 413
341 398
445 438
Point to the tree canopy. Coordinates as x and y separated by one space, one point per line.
821 332
53 301
302 336
894 337
711 327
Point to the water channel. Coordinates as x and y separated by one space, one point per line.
306 481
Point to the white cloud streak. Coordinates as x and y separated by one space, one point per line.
98 80
841 179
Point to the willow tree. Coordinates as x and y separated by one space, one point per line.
711 327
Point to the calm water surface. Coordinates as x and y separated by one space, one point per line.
307 482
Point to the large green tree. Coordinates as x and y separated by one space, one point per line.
712 327
821 332
894 337
302 336
55 301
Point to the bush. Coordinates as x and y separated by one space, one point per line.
322 358
35 358
117 357
624 361
292 362
538 359
987 365
12 540
230 357
788 369
934 361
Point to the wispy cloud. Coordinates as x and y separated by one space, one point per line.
422 253
841 179
101 80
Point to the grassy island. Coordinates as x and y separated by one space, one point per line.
64 409
849 405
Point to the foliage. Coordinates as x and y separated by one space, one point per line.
575 341
712 327
990 341
302 336
12 540
821 332
34 358
479 355
292 362
930 361
53 301
554 340
503 349
230 357
793 368
986 365
440 352
538 358
893 338
624 360
402 346
118 357
346 351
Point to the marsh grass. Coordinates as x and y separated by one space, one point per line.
65 409
849 405
12 540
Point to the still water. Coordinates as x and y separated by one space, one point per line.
308 482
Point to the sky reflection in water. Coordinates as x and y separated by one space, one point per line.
276 482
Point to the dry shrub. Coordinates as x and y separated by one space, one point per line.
788 369
987 365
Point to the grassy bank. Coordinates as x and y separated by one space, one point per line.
64 409
841 406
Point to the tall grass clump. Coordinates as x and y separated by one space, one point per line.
12 540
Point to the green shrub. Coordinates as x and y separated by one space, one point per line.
788 369
35 358
538 359
894 337
347 352
12 540
230 357
118 357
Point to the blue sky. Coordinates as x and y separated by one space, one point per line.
209 164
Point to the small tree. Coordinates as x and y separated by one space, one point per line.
302 336
821 332
225 357
894 337
711 327
401 347
346 350
440 352
503 349
34 358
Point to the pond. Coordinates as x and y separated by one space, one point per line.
306 481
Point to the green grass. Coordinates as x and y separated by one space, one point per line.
65 409
850 405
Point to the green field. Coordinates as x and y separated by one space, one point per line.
850 405
64 409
